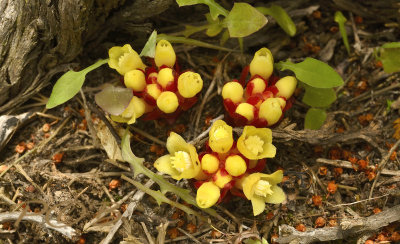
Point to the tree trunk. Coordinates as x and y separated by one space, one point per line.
39 38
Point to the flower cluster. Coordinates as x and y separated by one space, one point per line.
264 99
160 90
226 166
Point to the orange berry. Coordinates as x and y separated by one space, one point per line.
30 145
270 215
376 210
371 175
393 156
316 14
216 234
46 128
332 187
317 200
3 168
320 222
301 227
82 240
369 242
274 237
20 148
82 112
337 171
323 170
358 19
362 164
57 158
332 223
114 184
180 223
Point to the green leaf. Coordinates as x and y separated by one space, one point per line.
189 41
313 72
281 17
149 49
244 20
319 97
69 84
315 118
214 27
190 29
224 37
113 99
340 19
389 55
215 8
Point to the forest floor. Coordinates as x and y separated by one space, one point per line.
342 182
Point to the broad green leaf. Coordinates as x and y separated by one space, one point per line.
391 45
69 84
114 99
319 97
281 17
313 72
189 41
389 55
315 118
149 49
244 20
340 19
215 8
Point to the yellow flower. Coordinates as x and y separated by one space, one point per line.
136 108
207 195
167 102
124 59
258 85
165 54
220 137
182 162
246 110
189 84
235 165
262 188
135 79
221 178
286 86
271 110
256 143
262 63
233 90
165 76
210 163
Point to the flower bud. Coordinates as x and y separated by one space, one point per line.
167 102
258 85
165 76
221 179
220 137
210 163
235 165
262 63
233 90
124 59
165 54
286 86
270 110
189 84
207 195
153 90
135 79
246 110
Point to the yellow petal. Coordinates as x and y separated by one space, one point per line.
176 143
278 195
262 63
258 204
246 110
165 76
165 54
249 183
235 165
167 102
210 163
220 137
286 86
135 79
221 179
163 164
207 195
119 119
256 143
233 90
271 110
195 169
189 84
274 178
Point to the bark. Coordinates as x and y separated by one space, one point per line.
39 38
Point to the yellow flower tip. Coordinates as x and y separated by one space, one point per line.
220 137
233 90
262 188
165 76
207 195
135 79
189 84
271 110
135 109
124 59
262 63
165 54
181 161
256 143
258 85
153 90
282 102
235 165
221 178
246 110
209 163
153 77
167 102
286 86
